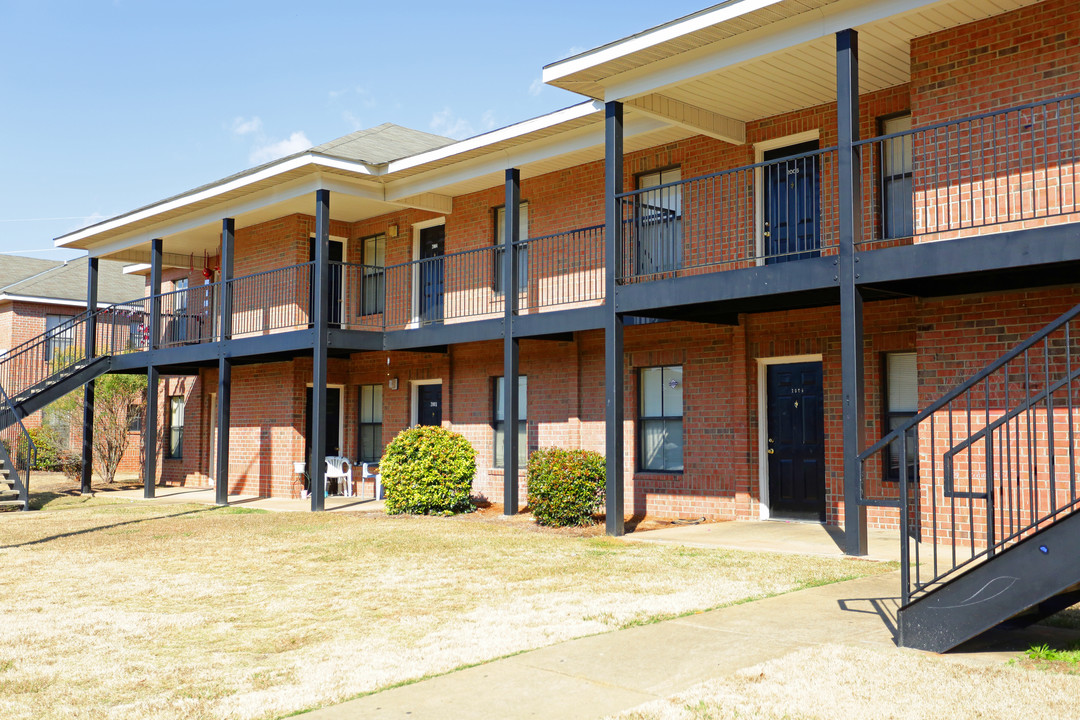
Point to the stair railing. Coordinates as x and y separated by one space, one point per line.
18 448
988 464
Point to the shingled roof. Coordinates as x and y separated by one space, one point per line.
52 280
382 144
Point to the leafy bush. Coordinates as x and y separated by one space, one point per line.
566 486
50 452
428 470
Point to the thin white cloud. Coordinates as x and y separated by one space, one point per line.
354 122
242 126
270 150
446 122
536 87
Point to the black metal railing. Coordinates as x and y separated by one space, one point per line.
19 450
560 269
443 289
58 350
1008 166
769 212
272 300
995 459
357 296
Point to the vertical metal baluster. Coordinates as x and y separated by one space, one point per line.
952 497
1069 407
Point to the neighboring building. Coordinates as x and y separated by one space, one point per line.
45 296
774 231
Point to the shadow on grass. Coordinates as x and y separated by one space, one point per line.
87 531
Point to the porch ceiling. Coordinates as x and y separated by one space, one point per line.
771 59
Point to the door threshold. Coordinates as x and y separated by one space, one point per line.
801 521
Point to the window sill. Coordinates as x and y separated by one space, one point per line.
658 475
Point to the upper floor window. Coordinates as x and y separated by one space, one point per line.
901 404
522 251
660 418
60 337
181 297
896 187
499 422
374 261
658 221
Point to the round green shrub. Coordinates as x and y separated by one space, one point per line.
428 470
566 486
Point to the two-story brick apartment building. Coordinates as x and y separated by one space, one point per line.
775 230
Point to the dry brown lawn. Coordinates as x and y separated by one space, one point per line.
837 682
127 609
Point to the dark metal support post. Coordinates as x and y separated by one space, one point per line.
849 161
88 389
613 321
320 314
510 343
224 394
150 426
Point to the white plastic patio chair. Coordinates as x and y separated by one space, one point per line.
341 468
367 474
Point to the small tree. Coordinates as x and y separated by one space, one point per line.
114 398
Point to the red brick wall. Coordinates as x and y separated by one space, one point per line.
1011 172
1021 56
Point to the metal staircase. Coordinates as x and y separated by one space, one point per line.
986 488
43 369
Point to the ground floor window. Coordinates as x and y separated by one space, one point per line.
370 423
901 404
58 423
660 418
499 422
175 430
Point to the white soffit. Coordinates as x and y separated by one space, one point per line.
747 69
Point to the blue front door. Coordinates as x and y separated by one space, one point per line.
791 227
796 441
432 241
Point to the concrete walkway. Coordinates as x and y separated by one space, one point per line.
604 674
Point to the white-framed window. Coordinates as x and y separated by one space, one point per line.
371 423
901 402
175 449
499 422
522 252
374 262
60 337
658 222
660 418
896 179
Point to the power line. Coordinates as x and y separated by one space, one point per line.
72 217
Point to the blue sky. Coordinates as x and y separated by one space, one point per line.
108 106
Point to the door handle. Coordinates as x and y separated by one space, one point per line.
771 451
